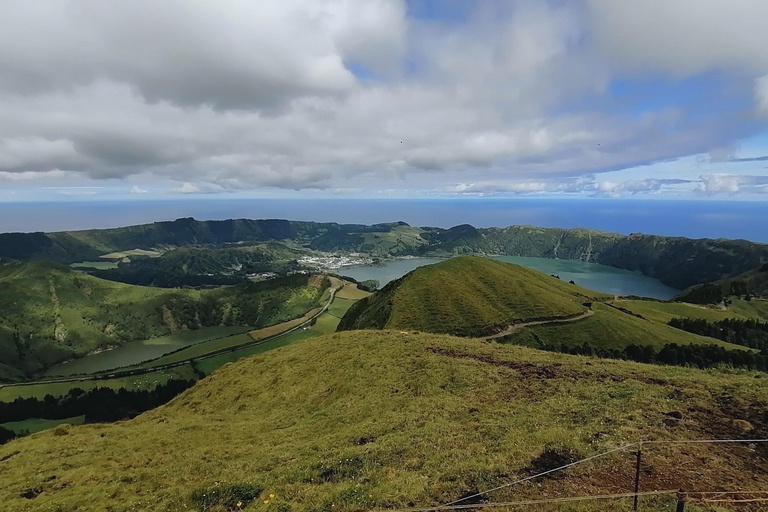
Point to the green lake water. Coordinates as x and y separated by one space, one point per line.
600 278
136 352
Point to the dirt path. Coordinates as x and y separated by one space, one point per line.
516 327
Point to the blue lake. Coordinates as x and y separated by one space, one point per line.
596 277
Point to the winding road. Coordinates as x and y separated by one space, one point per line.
516 327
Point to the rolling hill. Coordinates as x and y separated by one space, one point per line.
51 313
468 296
385 420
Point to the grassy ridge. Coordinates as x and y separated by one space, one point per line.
52 313
379 419
467 296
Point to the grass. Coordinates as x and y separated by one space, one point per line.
755 308
208 366
468 296
101 265
326 324
383 420
663 312
200 349
133 252
266 332
38 425
610 328
147 381
340 306
352 292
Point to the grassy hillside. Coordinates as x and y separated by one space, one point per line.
611 328
52 313
749 284
380 419
467 296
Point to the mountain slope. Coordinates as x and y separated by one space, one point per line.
51 313
379 419
467 296
749 284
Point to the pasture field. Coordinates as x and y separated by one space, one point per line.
147 381
101 265
663 312
208 366
340 306
352 292
610 328
38 425
133 252
326 324
266 332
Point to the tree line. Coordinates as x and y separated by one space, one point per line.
748 333
98 405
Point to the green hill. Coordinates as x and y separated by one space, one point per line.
748 285
51 313
467 296
384 420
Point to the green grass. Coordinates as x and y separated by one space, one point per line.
200 349
147 381
756 308
100 265
352 292
381 420
340 306
208 366
468 296
663 312
38 425
610 328
326 324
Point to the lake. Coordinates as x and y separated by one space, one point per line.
135 352
600 278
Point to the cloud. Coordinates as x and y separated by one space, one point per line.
138 190
343 94
761 95
730 184
682 37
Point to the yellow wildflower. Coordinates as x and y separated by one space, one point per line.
271 496
239 504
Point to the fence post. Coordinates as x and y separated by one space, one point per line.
680 502
637 473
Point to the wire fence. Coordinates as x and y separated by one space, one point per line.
683 496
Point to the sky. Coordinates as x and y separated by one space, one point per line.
118 100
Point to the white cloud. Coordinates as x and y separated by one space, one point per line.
242 95
138 190
714 184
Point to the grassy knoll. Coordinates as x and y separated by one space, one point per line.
148 381
326 324
610 328
38 425
467 296
52 313
384 420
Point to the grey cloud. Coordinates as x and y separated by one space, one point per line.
237 95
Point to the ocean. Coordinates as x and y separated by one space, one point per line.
692 218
